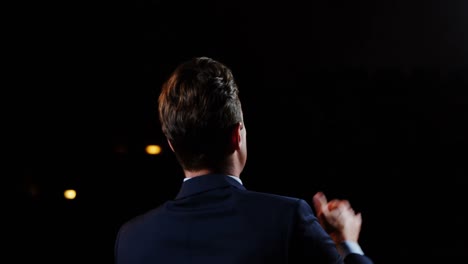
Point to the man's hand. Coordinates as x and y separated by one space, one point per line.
338 218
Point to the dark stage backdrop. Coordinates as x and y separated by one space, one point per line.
365 100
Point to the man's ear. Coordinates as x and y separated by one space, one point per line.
236 136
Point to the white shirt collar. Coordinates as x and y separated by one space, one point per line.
234 177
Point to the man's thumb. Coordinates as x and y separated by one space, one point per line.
320 202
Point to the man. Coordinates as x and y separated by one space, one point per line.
214 218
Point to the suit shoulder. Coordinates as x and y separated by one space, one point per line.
137 220
275 198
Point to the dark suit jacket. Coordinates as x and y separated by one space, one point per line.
214 219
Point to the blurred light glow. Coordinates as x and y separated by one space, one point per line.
69 194
153 149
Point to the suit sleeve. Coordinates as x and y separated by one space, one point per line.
312 244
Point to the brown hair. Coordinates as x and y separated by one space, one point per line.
198 106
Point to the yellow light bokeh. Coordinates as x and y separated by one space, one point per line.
69 194
153 149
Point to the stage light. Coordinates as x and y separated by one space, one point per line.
153 149
69 194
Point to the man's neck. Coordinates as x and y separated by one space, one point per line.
192 174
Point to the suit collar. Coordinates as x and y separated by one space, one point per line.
205 183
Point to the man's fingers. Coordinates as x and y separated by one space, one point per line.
335 203
359 217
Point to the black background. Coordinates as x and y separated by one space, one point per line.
365 100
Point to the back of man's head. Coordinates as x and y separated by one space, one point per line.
198 106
